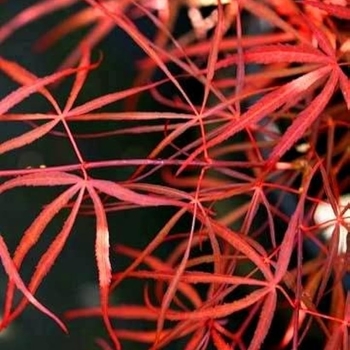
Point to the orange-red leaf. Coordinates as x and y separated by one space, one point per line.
304 119
49 257
79 80
15 277
41 178
32 235
334 10
284 53
124 194
103 260
292 230
31 14
28 137
24 77
264 324
222 310
24 92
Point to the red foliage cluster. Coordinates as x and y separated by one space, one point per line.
233 177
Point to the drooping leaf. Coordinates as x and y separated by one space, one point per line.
49 257
32 235
13 275
103 260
